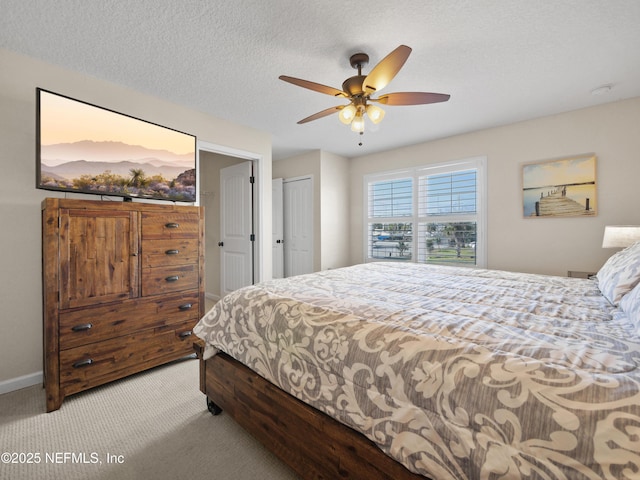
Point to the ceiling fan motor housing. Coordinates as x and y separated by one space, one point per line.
353 85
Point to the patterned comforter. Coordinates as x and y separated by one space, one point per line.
456 373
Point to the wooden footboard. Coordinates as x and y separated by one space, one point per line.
313 444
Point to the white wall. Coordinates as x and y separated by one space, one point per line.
539 245
20 240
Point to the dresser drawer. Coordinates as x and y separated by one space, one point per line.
90 325
170 225
169 279
159 253
91 365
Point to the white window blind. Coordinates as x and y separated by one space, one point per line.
389 229
430 214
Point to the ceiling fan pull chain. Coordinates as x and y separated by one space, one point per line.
360 143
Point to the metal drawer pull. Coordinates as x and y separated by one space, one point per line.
83 363
82 328
185 334
185 306
172 278
174 251
172 225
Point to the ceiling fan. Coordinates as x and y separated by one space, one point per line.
359 89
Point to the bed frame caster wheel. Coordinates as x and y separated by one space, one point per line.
213 408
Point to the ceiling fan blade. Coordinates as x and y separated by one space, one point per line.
412 98
314 86
321 114
385 70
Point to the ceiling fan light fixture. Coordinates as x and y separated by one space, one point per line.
347 114
375 113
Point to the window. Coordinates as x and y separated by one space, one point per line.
430 214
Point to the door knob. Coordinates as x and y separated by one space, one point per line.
221 244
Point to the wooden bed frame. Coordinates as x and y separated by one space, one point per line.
313 444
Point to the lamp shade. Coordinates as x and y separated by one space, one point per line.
375 113
346 114
358 123
620 236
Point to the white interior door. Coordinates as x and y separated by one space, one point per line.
278 228
298 226
236 227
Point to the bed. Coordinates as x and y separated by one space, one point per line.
406 371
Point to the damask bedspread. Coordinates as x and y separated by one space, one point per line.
456 373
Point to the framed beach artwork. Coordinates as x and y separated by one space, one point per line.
564 187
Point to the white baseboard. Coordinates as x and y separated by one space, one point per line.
21 382
212 296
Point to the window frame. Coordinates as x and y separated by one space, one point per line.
478 163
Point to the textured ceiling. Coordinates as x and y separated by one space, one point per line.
501 61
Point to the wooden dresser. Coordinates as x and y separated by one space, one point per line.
123 285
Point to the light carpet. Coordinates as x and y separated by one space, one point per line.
153 425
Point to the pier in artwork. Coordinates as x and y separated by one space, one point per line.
557 204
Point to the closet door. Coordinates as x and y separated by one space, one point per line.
98 257
298 226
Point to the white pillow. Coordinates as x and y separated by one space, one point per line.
620 273
630 305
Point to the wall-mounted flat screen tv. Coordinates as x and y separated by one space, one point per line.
83 148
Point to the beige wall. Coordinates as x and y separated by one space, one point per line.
334 191
20 244
552 245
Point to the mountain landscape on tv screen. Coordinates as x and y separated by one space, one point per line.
118 169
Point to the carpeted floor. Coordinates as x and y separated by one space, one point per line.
153 425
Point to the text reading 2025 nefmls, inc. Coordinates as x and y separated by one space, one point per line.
26 458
